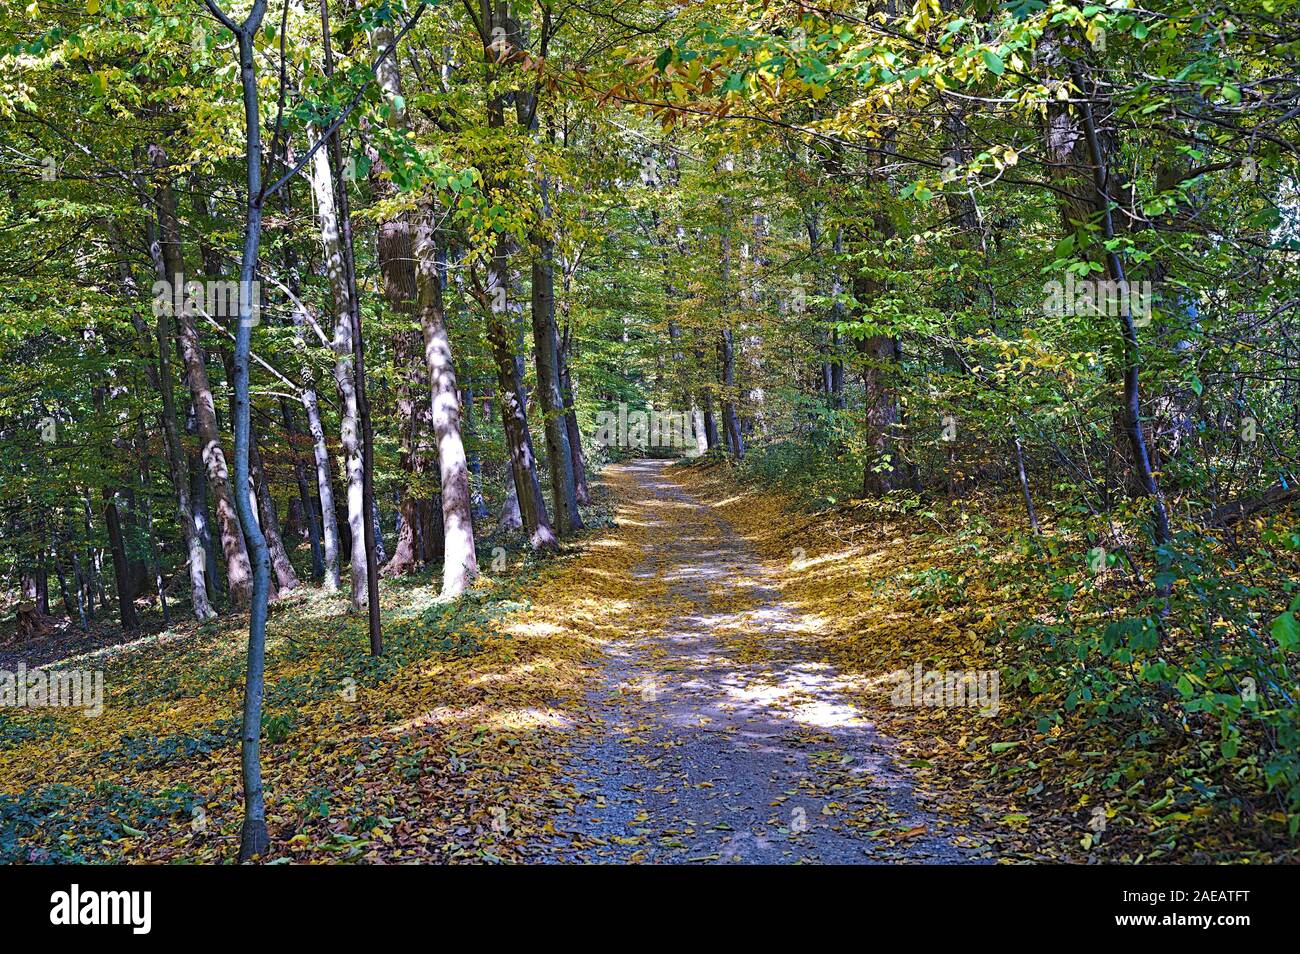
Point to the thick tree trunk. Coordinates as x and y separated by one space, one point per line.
510 518
459 564
710 422
43 589
410 388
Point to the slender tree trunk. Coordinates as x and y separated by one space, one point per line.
1024 483
305 500
323 190
285 577
370 534
879 356
523 463
376 525
238 571
71 606
730 419
177 462
478 505
581 491
202 521
1132 359
366 440
546 353
121 571
500 36
254 839
328 527
84 611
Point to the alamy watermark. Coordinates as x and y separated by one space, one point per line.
946 688
1099 296
642 429
216 298
133 909
62 688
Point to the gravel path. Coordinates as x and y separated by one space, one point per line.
719 738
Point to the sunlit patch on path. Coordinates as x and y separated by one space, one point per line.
717 736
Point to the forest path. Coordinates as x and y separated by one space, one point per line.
718 737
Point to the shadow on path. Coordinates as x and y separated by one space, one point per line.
719 737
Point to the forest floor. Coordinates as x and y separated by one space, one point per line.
702 676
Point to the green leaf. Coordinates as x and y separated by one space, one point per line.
1286 630
993 62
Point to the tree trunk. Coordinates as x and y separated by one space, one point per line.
305 501
510 518
546 354
500 36
730 419
459 562
285 577
397 267
254 839
238 570
328 527
121 571
879 358
177 462
581 491
710 421
514 419
1132 361
323 190
202 522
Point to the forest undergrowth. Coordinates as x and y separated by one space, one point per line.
1107 746
446 749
